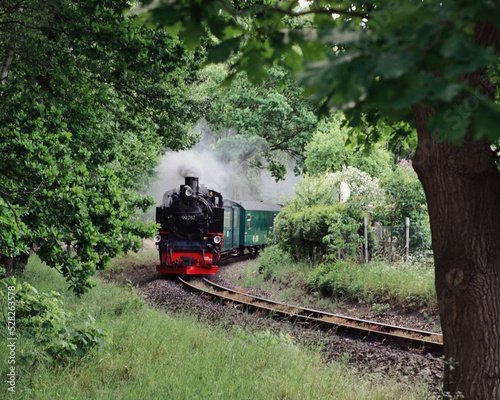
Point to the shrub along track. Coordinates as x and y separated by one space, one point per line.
413 340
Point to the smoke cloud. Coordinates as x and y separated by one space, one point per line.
230 177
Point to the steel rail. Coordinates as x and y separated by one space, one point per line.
413 340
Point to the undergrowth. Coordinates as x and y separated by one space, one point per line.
380 284
150 354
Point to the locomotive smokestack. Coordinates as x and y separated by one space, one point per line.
192 182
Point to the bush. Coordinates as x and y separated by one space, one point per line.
317 231
315 226
40 316
301 233
404 197
270 259
333 279
345 234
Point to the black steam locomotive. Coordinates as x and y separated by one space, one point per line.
198 228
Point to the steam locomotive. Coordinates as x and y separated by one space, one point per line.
198 228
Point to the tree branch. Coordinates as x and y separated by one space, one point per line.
10 51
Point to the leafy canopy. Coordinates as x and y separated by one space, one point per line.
357 56
327 151
90 99
272 115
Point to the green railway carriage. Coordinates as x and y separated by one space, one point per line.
247 224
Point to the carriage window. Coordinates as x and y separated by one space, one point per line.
249 221
236 218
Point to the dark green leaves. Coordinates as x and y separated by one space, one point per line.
89 103
222 51
394 65
355 56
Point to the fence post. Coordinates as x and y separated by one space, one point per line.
407 243
365 229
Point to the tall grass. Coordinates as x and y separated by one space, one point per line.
152 355
407 285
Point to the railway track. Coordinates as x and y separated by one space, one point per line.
413 340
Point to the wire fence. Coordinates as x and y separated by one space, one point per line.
397 242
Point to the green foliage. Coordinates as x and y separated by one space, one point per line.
56 335
90 101
312 232
270 259
368 58
312 191
404 197
12 239
333 280
328 151
344 239
300 233
380 309
408 285
273 113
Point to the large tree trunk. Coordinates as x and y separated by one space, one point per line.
462 186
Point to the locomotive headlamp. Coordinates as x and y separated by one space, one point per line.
157 239
188 191
217 239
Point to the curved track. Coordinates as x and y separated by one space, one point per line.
380 334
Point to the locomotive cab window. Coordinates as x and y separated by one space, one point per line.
249 222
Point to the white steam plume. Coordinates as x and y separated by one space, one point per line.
226 178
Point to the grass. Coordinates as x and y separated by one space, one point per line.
381 285
155 356
410 286
286 283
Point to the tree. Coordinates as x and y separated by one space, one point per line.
431 64
404 197
89 102
327 151
273 115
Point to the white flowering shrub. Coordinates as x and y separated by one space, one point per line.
324 189
362 185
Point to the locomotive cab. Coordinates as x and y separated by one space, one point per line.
191 230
